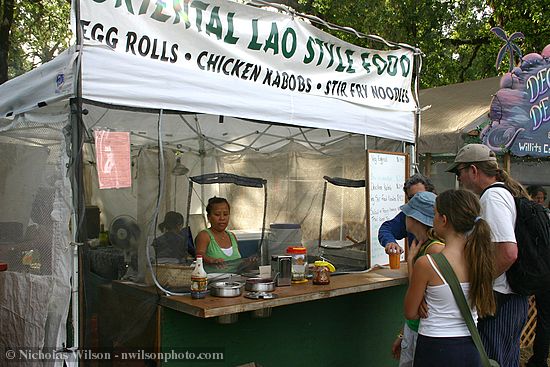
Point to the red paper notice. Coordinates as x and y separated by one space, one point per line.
113 159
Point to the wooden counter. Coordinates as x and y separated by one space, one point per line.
297 293
350 322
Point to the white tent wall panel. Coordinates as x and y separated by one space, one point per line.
295 186
35 291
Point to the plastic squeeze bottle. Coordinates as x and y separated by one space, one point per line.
199 280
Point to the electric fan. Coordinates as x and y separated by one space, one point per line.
124 233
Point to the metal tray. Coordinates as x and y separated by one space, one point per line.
260 295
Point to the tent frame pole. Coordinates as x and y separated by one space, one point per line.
77 184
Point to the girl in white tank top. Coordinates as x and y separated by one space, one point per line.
444 339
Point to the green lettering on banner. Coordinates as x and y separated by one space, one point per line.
349 54
99 1
200 7
406 68
157 14
215 24
129 6
272 41
320 43
229 38
143 7
340 66
392 65
379 62
254 45
365 60
330 49
289 53
181 12
310 52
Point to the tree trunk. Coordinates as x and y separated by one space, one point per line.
6 19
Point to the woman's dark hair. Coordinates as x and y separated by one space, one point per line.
171 221
533 190
462 209
417 178
215 200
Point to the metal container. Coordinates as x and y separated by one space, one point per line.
226 289
281 269
259 285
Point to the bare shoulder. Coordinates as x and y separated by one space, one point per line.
435 248
422 263
422 268
203 236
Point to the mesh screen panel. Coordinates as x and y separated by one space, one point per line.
30 171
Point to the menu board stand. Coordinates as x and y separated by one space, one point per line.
386 173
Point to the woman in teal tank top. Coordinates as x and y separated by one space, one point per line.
216 244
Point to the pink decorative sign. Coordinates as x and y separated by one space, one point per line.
113 159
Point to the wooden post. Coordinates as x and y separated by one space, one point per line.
428 164
507 163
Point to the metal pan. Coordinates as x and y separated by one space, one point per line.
226 289
259 285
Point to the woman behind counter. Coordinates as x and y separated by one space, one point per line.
216 244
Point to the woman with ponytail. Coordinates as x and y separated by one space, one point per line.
444 338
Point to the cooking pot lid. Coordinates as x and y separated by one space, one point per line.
226 285
260 295
259 280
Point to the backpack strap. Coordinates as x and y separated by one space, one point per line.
450 276
497 184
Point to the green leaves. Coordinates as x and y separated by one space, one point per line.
39 32
454 35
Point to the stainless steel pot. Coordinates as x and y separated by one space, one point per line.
259 285
226 289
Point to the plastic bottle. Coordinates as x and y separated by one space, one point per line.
299 263
199 280
103 236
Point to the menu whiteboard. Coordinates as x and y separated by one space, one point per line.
386 173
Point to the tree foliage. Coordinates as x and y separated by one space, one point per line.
6 20
40 30
454 36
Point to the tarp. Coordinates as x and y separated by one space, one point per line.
455 109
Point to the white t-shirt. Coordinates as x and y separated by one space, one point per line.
499 210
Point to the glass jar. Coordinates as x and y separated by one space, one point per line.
321 272
299 263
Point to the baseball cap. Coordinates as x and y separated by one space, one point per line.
421 207
472 153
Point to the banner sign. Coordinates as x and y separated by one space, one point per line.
264 48
520 111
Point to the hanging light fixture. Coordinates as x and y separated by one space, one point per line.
179 169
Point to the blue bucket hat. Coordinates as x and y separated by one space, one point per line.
421 207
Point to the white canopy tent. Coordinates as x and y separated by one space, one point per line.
454 110
167 70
